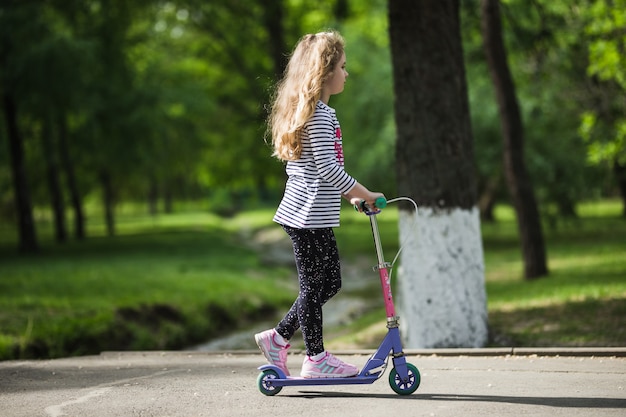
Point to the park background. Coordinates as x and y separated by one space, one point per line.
151 187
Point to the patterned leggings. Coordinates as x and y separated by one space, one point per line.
319 276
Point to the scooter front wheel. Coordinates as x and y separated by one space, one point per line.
405 387
264 382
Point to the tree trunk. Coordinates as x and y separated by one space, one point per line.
273 21
52 174
68 168
442 289
273 16
517 177
487 198
26 225
341 10
108 202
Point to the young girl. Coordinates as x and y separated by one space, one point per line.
306 134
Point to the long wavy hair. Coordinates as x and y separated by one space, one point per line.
312 62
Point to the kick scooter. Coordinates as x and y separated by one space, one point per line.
404 377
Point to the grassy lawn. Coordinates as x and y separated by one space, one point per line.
170 281
581 303
162 283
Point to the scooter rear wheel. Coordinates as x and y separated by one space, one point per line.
405 387
264 382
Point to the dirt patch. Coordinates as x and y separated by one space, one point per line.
149 315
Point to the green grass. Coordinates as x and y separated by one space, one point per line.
170 281
162 283
581 303
583 300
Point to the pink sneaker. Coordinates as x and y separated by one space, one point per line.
274 353
327 367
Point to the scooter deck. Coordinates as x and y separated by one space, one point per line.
284 381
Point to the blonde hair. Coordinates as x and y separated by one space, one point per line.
312 62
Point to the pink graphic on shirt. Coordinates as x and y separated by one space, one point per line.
338 147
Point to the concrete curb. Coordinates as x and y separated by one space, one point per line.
619 352
524 351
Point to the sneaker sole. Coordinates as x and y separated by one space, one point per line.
311 376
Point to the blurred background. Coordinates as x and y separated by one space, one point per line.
156 102
133 164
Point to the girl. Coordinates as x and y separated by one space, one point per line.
307 136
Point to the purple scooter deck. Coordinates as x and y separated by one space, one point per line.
284 381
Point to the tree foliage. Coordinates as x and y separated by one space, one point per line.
548 52
603 124
158 101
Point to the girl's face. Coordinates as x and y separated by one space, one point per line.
335 84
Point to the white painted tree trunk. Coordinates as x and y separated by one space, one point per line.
441 293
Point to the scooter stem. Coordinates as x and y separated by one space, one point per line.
382 267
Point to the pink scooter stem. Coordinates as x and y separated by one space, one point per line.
382 268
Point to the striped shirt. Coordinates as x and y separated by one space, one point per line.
317 180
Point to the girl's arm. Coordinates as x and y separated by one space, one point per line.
360 192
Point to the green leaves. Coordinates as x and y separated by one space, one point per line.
170 96
607 60
603 125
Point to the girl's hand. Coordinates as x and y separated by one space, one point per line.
370 201
360 193
356 201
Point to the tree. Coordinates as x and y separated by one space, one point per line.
51 72
17 27
116 129
442 277
518 180
603 124
53 176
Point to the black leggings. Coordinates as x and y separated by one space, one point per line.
319 276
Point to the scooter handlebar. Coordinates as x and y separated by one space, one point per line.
380 203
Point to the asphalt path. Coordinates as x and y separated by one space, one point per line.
453 383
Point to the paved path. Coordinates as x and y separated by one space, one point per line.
454 383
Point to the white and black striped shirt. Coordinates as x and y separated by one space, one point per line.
317 180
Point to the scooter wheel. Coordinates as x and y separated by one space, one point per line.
264 382
405 387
